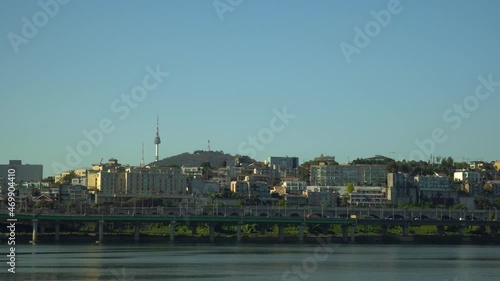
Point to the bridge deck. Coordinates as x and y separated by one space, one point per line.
242 219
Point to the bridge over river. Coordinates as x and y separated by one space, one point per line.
240 217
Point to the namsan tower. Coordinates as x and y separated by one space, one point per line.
157 139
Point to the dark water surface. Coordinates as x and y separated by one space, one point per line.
206 262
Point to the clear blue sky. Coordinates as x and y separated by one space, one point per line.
227 76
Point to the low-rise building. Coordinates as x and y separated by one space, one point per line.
251 188
200 187
79 181
295 199
294 187
35 185
495 187
80 173
224 182
473 188
69 193
265 171
283 163
315 198
325 160
23 172
432 183
194 172
368 196
400 188
240 187
51 192
476 165
467 176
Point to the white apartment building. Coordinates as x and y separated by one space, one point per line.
467 176
360 175
111 181
294 187
192 171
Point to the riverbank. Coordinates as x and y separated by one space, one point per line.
48 238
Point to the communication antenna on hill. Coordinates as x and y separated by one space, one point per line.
142 155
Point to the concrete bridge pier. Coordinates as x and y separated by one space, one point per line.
482 230
262 229
406 230
34 236
301 232
137 231
345 232
461 230
353 233
440 230
238 232
58 230
326 232
212 232
172 231
281 232
494 231
101 231
384 230
193 229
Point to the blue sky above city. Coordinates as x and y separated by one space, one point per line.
229 74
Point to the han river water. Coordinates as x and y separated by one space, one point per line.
250 262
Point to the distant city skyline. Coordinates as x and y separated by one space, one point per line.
423 79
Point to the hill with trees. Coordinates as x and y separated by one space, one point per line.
198 158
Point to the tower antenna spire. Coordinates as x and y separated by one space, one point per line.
157 140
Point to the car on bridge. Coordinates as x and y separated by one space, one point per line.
422 217
447 218
312 216
395 217
470 218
